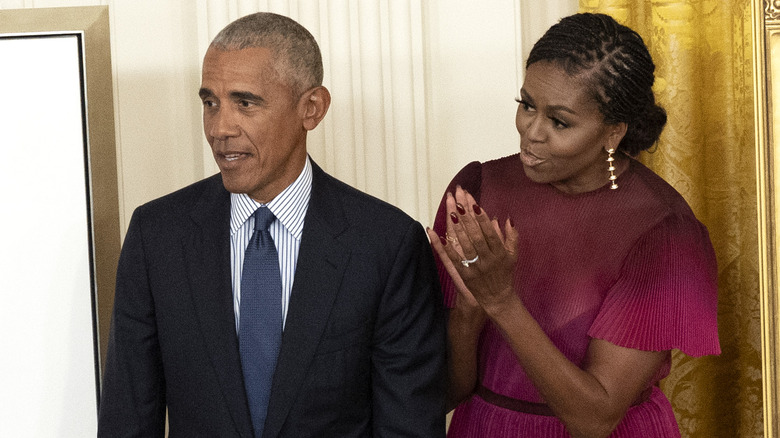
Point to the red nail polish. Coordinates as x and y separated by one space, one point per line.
443 241
511 223
460 209
477 210
454 218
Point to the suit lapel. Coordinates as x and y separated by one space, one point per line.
321 264
207 249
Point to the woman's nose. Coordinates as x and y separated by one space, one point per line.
534 129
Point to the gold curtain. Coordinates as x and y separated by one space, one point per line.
703 55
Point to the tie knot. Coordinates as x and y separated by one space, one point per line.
263 218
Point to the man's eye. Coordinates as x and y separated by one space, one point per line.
244 103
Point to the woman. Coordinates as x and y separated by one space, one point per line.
562 317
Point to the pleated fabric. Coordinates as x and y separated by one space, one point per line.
632 266
478 419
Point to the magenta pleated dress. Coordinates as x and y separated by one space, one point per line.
631 266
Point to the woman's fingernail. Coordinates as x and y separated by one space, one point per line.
443 241
477 210
511 223
454 218
460 209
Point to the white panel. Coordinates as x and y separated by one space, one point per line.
342 83
310 16
404 181
246 7
386 176
471 79
48 362
357 32
281 7
534 19
372 101
321 139
13 4
375 132
421 155
520 54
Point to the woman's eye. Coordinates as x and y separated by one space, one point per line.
526 106
558 124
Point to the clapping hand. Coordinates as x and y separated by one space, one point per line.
478 255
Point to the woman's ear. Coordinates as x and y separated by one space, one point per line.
615 135
315 104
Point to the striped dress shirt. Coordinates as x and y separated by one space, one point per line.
289 207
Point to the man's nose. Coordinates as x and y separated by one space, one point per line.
222 124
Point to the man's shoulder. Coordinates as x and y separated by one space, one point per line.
358 203
207 190
190 193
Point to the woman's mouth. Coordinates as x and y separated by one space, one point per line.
529 159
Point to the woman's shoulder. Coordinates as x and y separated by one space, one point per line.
509 162
653 187
476 174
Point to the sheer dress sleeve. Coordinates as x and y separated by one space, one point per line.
666 294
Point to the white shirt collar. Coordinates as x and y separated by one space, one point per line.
289 206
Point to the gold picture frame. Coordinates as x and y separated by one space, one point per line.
91 25
766 68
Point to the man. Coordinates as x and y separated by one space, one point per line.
362 347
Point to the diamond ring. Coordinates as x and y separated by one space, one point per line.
466 263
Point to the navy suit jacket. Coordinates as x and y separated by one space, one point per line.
363 350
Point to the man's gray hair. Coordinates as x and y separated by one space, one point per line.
297 57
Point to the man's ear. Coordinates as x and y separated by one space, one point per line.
314 105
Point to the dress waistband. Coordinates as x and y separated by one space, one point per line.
513 404
533 408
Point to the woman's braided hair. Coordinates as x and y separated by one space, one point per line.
615 65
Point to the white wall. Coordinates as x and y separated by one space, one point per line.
461 59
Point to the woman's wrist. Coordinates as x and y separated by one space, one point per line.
469 318
505 308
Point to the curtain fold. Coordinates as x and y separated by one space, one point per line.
375 134
702 50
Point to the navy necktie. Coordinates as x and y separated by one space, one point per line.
260 321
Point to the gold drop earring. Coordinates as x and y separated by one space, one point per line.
611 168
